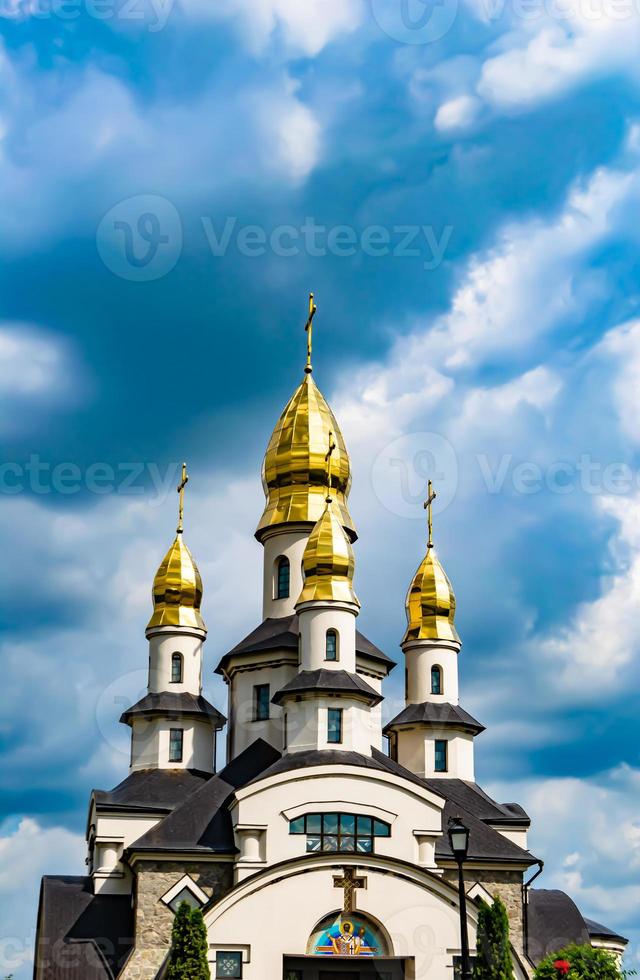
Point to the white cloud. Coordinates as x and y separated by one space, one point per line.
305 27
27 851
588 833
457 113
590 654
291 134
37 370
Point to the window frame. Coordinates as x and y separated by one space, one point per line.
172 732
282 562
229 952
334 714
339 833
258 705
441 742
336 649
177 658
436 671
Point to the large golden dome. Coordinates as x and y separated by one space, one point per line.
431 603
177 589
328 563
294 472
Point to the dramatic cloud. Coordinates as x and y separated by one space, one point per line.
28 851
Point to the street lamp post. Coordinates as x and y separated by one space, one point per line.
459 840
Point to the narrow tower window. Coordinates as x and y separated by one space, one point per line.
334 726
261 701
176 738
441 761
436 680
283 583
176 668
331 645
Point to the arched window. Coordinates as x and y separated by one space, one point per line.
283 578
343 832
436 680
176 668
331 645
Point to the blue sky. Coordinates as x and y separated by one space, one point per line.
461 190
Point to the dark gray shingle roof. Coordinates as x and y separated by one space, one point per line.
597 931
203 821
328 682
152 789
439 715
554 921
278 634
81 936
169 702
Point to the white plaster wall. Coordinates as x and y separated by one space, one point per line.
314 621
416 751
162 644
150 744
291 544
273 802
307 724
418 912
243 730
113 833
420 657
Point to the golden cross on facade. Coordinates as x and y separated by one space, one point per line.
313 309
350 882
329 461
428 506
180 488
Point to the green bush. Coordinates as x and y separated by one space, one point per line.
493 947
585 963
189 947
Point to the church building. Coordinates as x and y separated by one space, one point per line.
319 850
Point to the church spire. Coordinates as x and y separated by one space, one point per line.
177 586
431 603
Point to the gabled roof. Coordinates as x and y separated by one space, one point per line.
203 822
174 703
152 789
442 715
70 915
279 634
325 681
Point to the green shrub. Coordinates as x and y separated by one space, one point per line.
189 946
585 963
493 947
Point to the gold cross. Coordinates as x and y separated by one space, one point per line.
313 309
180 488
350 883
329 460
428 506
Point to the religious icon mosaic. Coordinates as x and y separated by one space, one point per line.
339 936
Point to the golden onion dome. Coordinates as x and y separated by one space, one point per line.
328 563
294 472
431 603
177 589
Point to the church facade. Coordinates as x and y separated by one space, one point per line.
320 849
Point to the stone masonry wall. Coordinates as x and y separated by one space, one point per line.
506 885
154 919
